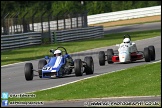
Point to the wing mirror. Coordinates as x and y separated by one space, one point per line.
46 57
51 50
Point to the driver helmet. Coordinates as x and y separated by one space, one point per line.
126 40
57 52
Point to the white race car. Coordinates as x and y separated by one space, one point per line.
127 52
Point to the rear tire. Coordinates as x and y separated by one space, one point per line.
102 58
41 64
78 67
110 53
147 54
152 52
28 71
89 68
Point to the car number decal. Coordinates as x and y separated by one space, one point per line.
49 68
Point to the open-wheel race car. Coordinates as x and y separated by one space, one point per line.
127 52
59 65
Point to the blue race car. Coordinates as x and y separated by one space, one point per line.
55 67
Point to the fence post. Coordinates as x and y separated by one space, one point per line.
2 22
71 20
14 21
10 22
82 13
16 18
85 19
64 21
5 28
24 23
42 25
57 16
82 19
42 20
77 19
55 37
49 28
33 20
57 21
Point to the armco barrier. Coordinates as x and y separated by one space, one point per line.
20 40
123 15
77 34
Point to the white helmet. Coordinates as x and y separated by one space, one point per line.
57 51
126 40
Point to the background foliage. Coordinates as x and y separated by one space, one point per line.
93 7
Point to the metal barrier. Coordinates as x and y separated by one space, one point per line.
20 40
76 34
123 15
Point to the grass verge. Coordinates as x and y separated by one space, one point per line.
39 51
141 80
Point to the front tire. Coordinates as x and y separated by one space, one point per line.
78 68
152 52
41 64
28 71
89 68
147 54
102 58
110 53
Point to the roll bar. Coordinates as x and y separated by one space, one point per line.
127 35
52 51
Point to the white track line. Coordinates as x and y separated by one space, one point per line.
155 62
75 52
85 78
73 81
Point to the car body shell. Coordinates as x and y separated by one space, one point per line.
54 65
127 52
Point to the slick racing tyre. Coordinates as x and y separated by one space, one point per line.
78 67
41 64
147 54
89 68
110 53
28 71
152 52
102 58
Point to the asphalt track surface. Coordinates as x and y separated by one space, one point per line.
131 28
13 79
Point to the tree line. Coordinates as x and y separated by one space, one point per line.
55 7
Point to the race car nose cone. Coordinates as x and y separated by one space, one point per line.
123 57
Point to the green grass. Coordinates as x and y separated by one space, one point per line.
142 80
39 51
